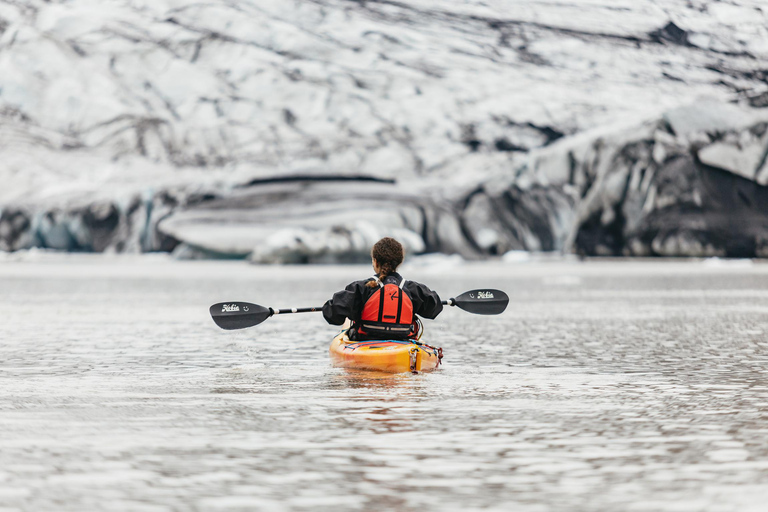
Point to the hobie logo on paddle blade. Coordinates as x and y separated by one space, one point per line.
484 295
229 308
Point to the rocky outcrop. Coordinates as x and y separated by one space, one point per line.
185 126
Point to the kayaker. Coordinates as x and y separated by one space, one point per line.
384 306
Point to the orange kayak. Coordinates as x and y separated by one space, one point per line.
391 356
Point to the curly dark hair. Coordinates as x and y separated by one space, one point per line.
389 254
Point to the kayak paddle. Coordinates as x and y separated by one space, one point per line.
481 302
239 315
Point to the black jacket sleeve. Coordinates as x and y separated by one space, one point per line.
344 304
426 303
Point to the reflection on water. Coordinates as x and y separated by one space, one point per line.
605 386
367 379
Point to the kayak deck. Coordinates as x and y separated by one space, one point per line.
391 356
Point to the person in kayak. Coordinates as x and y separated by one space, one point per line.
384 306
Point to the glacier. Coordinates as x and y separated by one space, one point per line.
300 131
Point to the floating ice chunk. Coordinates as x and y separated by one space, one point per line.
726 262
516 257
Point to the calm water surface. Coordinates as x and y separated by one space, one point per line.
633 386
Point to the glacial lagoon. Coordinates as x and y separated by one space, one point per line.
606 385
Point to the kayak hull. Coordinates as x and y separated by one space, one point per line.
391 356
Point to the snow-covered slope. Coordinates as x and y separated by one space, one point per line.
115 115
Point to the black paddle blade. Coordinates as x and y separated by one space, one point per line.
483 302
238 315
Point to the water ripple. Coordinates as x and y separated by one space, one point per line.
605 386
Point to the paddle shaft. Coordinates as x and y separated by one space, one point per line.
285 311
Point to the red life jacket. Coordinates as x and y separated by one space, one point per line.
387 313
